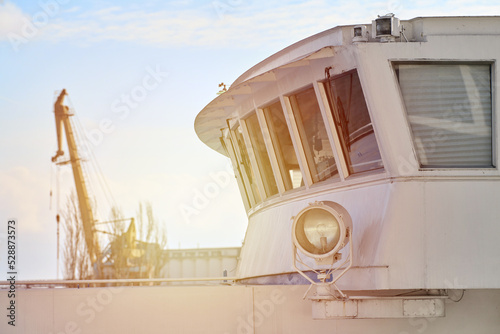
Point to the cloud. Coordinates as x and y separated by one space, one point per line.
223 23
12 20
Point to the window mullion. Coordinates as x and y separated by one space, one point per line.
239 159
270 150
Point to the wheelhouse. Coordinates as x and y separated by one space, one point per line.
396 125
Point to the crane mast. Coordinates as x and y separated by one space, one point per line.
62 117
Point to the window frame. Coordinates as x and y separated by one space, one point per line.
340 146
303 155
237 170
263 186
275 159
255 195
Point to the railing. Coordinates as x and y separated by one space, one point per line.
113 282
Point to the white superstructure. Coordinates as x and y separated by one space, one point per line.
398 124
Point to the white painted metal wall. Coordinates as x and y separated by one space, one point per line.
221 309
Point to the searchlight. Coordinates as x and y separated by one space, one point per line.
320 231
386 27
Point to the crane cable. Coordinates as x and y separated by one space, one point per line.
99 175
92 171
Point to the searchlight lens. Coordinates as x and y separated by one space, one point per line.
384 26
317 231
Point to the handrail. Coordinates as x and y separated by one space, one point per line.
89 282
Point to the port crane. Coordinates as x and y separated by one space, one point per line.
123 251
62 116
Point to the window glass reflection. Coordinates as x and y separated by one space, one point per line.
228 144
261 155
283 147
244 161
313 135
353 123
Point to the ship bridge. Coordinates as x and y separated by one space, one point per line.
395 122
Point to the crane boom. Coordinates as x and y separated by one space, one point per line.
62 119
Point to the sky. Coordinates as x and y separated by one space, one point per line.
137 74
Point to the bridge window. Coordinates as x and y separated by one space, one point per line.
261 155
449 110
313 136
283 147
353 123
245 166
